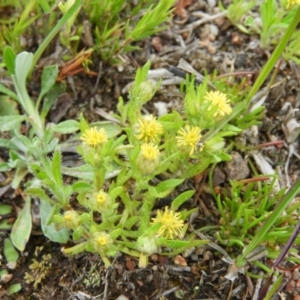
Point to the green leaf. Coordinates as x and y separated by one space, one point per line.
23 65
14 288
11 122
168 185
18 177
66 127
5 209
49 77
9 59
8 92
8 106
81 186
5 225
112 129
178 201
56 168
10 253
38 193
22 227
58 236
4 143
83 124
51 97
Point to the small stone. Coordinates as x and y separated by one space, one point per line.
5 278
237 168
179 260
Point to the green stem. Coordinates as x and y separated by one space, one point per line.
99 178
143 260
54 32
275 56
277 212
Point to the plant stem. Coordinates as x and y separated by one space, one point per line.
275 56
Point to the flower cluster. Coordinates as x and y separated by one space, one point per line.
101 202
148 129
188 139
94 137
71 219
171 223
220 100
102 241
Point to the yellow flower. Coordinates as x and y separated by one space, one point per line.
101 202
188 138
148 129
101 197
218 99
71 219
292 3
170 221
94 137
101 241
149 152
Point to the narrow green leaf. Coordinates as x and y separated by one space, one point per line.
178 201
22 227
10 253
168 184
11 122
38 193
49 77
14 288
81 186
277 212
4 143
20 173
8 92
66 127
9 57
54 31
56 168
5 209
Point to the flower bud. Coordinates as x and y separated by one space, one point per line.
101 201
147 245
148 158
146 91
71 219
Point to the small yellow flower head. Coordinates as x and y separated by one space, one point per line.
101 202
171 223
71 219
101 241
94 137
149 152
148 129
188 139
148 158
292 3
218 99
101 197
